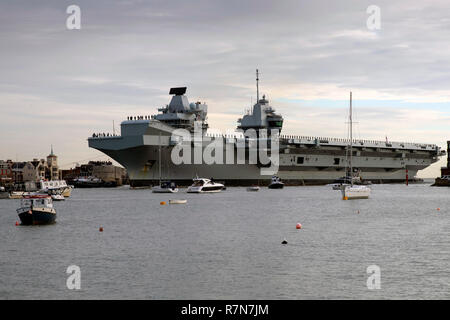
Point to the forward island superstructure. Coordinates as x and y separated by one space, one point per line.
145 149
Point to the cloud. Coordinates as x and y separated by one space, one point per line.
129 53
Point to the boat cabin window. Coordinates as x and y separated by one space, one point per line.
39 202
26 203
336 160
198 183
300 160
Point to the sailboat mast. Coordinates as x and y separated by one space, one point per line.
351 140
257 86
159 155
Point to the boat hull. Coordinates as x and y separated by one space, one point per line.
209 189
276 186
158 189
37 217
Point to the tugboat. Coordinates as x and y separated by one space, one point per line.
37 210
164 186
202 185
276 183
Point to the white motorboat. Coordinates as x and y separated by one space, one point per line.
19 194
253 188
56 194
165 187
202 185
58 197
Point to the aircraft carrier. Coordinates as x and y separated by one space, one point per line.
146 145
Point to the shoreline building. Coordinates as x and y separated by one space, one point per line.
25 174
6 176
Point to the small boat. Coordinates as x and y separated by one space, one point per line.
202 185
16 194
3 193
36 210
45 186
19 194
92 182
165 187
177 201
67 191
56 194
253 188
355 192
276 183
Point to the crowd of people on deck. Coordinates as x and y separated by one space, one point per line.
139 118
103 135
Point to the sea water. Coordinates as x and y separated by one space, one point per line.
228 245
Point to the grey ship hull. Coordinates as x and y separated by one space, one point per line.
303 160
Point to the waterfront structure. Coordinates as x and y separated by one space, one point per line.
302 159
25 174
6 175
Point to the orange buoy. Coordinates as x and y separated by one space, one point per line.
162 203
100 229
298 226
17 223
438 209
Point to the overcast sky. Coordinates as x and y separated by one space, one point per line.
58 86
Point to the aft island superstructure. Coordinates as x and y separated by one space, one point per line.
146 140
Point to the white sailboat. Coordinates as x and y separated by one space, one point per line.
353 191
164 186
